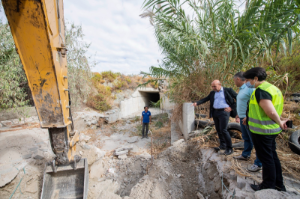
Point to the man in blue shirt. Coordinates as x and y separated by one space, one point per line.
242 101
146 119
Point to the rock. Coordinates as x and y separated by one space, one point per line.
121 152
144 155
133 139
80 152
94 154
83 137
122 157
7 174
88 123
97 170
200 196
27 156
94 122
272 194
38 156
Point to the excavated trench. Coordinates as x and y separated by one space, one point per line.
177 172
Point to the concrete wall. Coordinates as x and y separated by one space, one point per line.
165 103
135 103
188 118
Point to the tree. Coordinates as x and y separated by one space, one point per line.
217 40
79 67
13 81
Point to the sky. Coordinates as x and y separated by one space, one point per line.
120 39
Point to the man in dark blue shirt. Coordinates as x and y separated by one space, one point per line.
146 119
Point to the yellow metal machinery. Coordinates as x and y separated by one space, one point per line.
38 29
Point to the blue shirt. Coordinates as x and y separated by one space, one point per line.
220 101
242 100
146 116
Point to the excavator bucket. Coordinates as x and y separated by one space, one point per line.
65 181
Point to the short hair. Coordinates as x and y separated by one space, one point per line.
239 75
145 107
258 72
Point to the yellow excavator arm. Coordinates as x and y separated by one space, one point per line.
38 29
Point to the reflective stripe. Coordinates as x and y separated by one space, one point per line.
265 130
261 122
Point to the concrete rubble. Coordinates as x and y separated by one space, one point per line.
121 167
122 152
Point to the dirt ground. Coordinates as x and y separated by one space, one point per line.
181 170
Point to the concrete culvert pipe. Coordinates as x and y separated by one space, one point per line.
294 142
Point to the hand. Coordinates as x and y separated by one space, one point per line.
194 104
282 124
237 120
244 121
228 109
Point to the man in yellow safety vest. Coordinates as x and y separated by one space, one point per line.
264 122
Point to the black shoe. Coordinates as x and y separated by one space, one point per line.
147 137
282 188
219 148
228 152
143 137
257 187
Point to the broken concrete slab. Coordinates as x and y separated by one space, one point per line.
121 152
7 174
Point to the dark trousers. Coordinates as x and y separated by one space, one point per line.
265 147
147 127
221 119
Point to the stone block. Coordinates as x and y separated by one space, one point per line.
188 117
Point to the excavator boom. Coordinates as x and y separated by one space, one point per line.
38 29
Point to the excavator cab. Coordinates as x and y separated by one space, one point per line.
38 29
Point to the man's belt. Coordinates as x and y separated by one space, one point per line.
219 109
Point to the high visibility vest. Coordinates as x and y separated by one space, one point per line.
259 122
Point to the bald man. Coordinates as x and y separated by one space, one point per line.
222 105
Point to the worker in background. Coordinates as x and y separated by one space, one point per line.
242 102
146 119
222 105
265 108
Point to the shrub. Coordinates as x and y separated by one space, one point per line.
98 102
109 75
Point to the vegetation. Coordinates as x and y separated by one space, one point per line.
79 66
13 81
217 41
